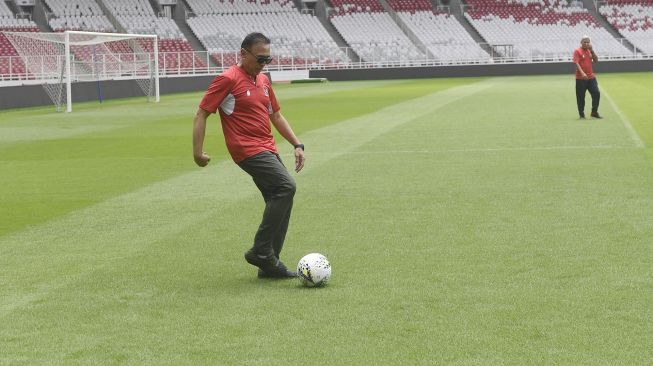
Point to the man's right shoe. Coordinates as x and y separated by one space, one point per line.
269 266
281 274
596 115
265 262
582 116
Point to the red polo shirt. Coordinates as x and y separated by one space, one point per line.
245 104
584 59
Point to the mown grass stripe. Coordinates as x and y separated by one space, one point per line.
119 227
62 125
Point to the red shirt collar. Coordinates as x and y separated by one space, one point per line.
240 68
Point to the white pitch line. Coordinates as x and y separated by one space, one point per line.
596 147
626 122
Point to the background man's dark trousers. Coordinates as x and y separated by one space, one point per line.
583 86
278 189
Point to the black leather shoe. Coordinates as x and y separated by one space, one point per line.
280 274
269 266
265 262
596 115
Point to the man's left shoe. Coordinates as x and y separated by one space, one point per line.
596 115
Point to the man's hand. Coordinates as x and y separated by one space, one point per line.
299 159
202 160
199 129
595 58
584 76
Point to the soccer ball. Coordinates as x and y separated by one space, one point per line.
314 270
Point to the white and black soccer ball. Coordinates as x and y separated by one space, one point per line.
314 270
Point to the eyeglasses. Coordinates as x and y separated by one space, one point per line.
260 59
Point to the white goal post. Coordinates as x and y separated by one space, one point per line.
55 59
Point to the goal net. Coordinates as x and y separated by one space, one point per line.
60 59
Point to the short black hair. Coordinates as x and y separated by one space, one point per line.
253 38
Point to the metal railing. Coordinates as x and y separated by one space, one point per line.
23 15
33 69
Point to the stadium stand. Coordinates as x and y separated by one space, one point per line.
78 15
176 53
539 28
440 32
372 33
633 19
297 38
530 29
10 63
137 17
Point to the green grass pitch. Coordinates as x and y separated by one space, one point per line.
470 221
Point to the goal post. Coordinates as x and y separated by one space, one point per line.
58 60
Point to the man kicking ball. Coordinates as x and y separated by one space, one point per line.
246 103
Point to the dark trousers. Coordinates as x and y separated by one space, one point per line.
581 87
278 189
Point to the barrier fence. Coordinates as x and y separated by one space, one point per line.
172 64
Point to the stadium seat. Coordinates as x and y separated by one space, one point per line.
410 6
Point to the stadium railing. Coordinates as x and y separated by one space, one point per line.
171 65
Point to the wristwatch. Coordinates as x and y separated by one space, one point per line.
300 146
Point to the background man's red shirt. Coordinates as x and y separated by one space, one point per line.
584 59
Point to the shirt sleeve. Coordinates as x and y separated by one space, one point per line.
274 104
576 57
218 90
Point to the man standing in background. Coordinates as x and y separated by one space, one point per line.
584 56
